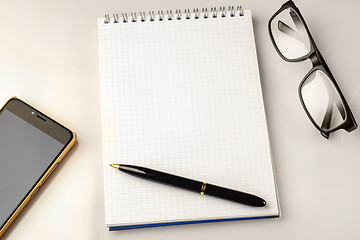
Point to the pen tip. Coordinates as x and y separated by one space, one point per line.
116 166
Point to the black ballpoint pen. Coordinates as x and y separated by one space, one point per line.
192 185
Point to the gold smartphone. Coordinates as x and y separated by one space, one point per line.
31 146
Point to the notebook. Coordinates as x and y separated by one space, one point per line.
181 93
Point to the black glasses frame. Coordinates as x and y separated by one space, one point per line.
318 63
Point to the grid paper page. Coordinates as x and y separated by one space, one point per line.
183 97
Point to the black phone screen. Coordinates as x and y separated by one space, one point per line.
26 152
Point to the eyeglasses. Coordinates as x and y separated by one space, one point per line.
319 93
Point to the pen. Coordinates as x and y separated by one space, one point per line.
192 185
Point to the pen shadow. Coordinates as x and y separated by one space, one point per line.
48 181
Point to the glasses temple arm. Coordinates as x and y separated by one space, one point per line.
328 114
299 25
300 34
284 28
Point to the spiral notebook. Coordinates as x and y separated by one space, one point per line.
181 93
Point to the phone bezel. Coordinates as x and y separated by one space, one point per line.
51 128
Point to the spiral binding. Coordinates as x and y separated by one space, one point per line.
177 15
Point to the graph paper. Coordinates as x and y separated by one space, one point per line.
182 96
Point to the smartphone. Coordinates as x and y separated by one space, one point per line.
31 146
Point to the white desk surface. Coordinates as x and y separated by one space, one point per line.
49 58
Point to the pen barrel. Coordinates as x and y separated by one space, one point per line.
233 195
193 185
173 180
162 177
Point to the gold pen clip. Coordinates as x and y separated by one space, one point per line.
203 187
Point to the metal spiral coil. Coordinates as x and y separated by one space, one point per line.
178 15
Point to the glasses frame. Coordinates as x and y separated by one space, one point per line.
318 63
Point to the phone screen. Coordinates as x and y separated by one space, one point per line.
26 152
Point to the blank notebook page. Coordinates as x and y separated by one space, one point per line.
183 97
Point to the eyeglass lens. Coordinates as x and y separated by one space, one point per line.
322 101
290 35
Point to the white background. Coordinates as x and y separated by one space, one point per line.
49 58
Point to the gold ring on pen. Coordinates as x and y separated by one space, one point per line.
203 186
